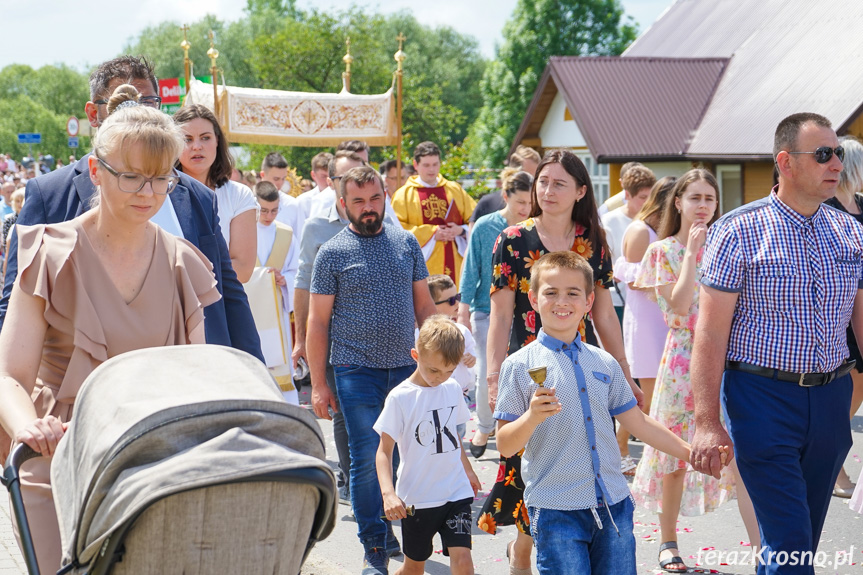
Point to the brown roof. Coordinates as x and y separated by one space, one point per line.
788 56
712 79
634 107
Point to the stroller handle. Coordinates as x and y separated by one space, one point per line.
21 453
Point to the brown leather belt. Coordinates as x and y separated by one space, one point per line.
801 379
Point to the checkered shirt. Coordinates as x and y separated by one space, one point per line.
797 278
572 457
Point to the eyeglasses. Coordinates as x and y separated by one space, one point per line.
265 211
450 300
824 153
149 101
132 182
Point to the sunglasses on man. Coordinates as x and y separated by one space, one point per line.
450 300
824 153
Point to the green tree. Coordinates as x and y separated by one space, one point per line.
60 89
537 30
21 113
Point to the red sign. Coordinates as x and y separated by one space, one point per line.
169 90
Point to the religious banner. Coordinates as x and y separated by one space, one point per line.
251 115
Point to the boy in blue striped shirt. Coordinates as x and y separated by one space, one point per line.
557 398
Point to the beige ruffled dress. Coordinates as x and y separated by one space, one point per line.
90 322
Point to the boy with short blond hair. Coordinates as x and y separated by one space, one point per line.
434 475
557 398
446 299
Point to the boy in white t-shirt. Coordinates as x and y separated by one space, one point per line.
434 474
446 299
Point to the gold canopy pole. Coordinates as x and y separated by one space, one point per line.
187 64
213 54
399 58
348 60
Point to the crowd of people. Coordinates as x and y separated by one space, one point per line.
726 344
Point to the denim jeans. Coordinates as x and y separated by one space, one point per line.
479 328
362 391
339 430
571 543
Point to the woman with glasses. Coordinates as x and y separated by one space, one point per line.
105 283
206 159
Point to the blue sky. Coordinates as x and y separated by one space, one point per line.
81 34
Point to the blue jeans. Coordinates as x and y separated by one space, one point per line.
571 543
362 391
789 444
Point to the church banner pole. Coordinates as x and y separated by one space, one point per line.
187 64
348 60
399 58
213 54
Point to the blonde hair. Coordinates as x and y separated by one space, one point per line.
440 334
561 260
161 141
851 176
438 284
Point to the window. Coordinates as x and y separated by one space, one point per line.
730 187
598 175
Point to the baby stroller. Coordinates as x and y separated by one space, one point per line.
185 460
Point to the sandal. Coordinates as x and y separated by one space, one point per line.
515 570
676 559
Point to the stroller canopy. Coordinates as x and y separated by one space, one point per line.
155 422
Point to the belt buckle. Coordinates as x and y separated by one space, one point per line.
801 383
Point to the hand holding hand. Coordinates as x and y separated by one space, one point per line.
706 450
443 234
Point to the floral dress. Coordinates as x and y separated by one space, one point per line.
673 404
515 251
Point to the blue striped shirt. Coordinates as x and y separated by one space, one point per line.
476 270
797 278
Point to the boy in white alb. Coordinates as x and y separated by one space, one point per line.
434 475
278 255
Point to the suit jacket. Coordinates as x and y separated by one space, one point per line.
65 193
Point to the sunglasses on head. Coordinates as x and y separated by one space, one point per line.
824 153
450 300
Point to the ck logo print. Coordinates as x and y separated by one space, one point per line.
460 524
432 430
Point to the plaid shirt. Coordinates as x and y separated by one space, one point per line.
797 278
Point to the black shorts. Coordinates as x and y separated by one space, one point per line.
452 520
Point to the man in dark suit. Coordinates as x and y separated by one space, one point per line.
65 193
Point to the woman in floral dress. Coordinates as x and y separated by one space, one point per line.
563 217
671 267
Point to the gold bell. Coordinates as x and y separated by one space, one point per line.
537 374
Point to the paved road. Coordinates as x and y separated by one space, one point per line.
721 531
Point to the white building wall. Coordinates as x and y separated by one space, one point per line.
556 132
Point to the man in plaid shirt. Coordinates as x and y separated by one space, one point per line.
781 277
